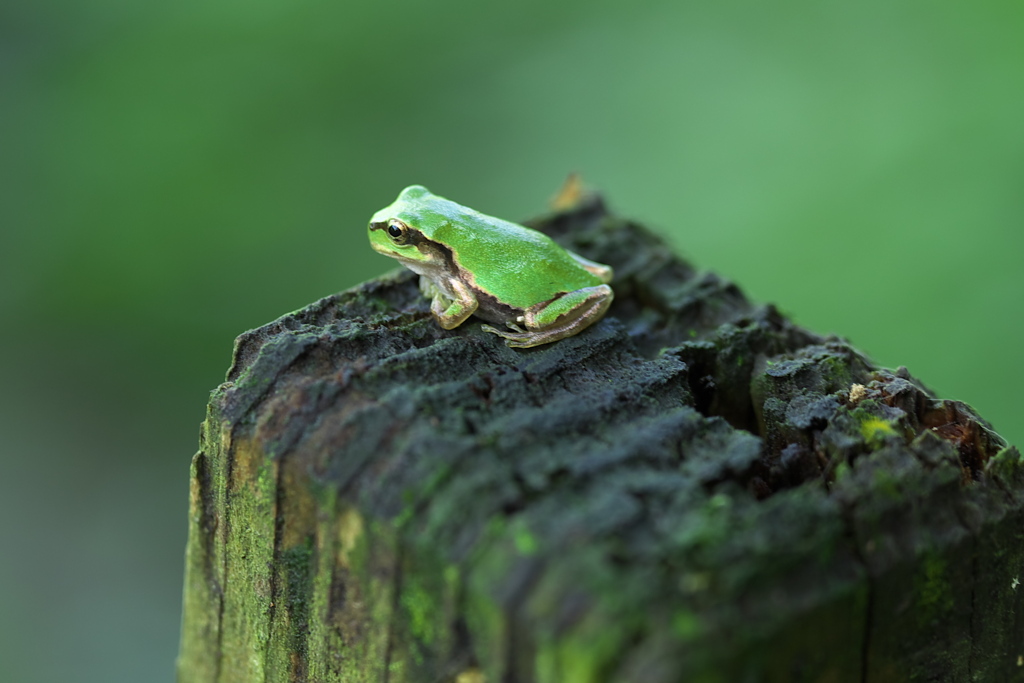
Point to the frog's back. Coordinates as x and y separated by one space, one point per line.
519 266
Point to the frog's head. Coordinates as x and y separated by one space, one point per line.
403 229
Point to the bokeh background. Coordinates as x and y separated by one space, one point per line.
172 174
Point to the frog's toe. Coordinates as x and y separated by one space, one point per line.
493 330
518 339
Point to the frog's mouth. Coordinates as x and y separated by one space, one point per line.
381 250
406 261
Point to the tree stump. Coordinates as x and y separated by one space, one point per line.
694 489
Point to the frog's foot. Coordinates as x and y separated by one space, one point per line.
451 313
550 321
516 333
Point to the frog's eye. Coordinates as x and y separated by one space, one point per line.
398 231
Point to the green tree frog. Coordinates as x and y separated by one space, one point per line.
504 273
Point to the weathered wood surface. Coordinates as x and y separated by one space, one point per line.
694 489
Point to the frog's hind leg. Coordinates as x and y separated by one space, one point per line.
553 320
599 270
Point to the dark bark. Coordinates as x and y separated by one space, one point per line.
694 489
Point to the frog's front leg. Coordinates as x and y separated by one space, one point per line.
563 317
451 311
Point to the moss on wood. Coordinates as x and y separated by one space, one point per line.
693 489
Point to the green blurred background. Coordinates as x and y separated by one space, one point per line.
172 174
